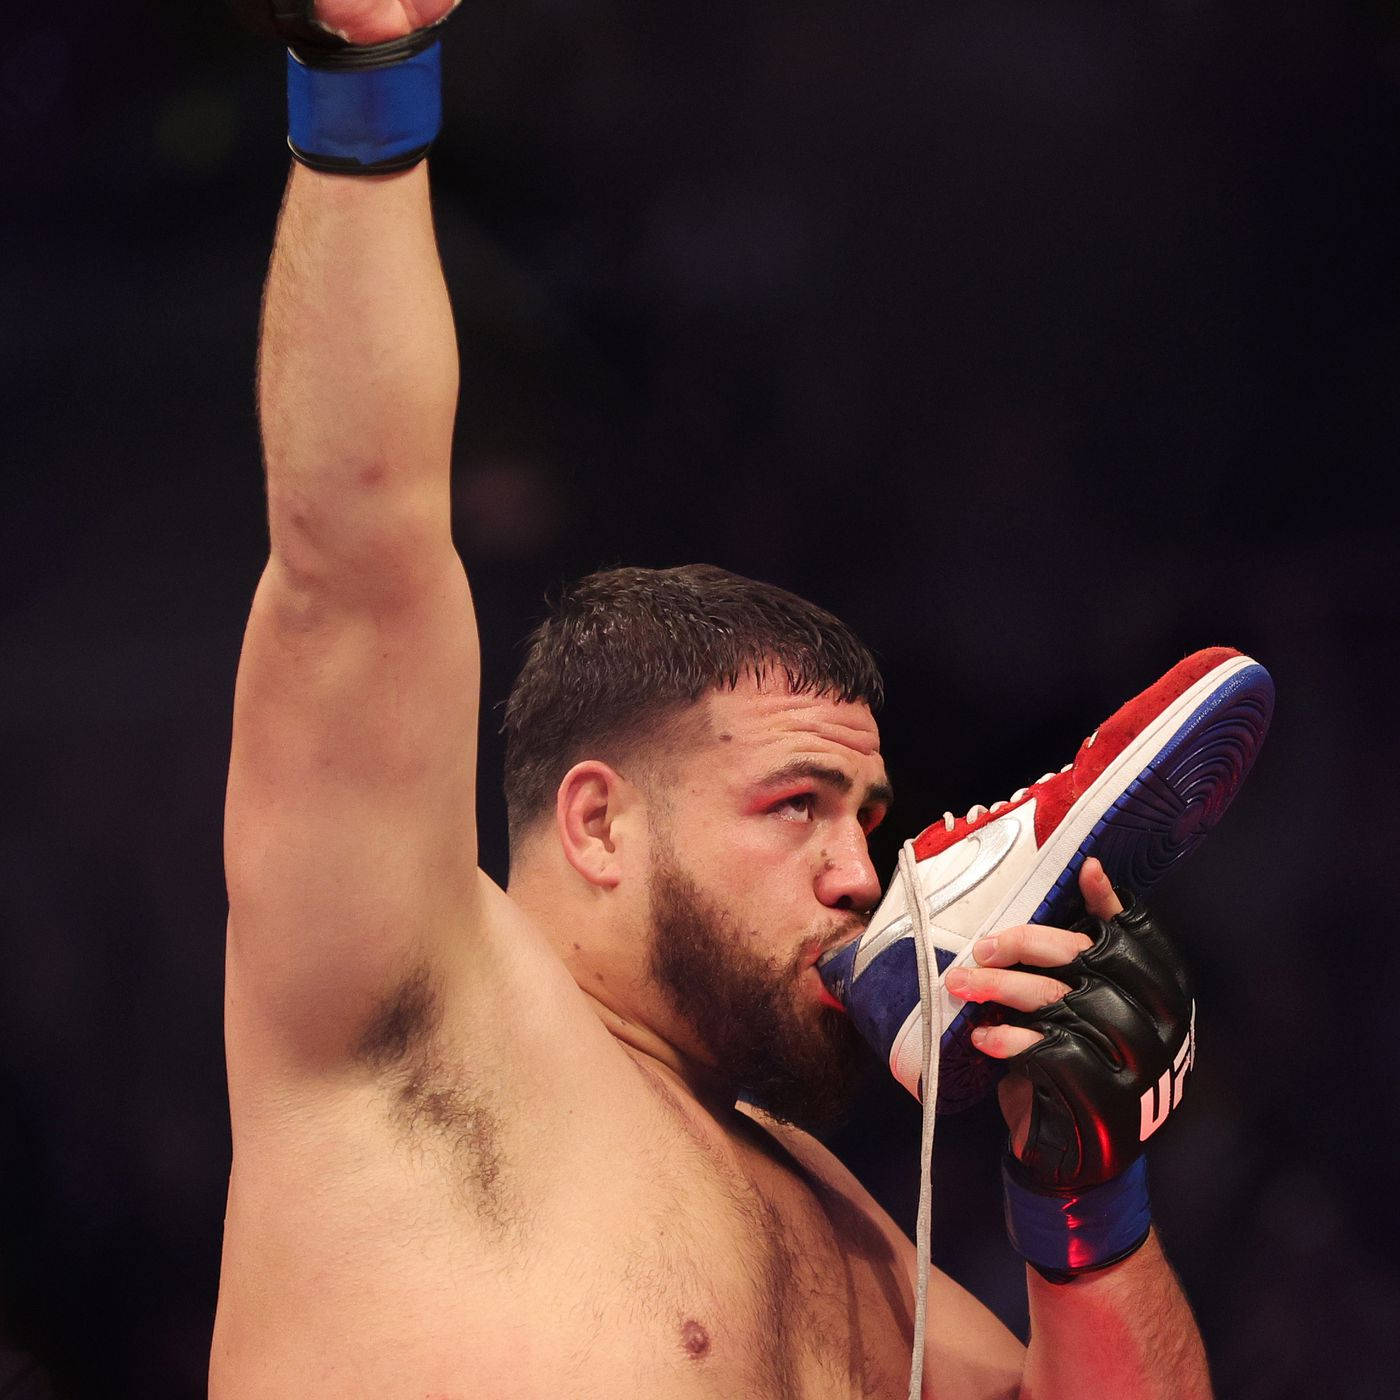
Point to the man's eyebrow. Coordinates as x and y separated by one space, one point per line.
825 773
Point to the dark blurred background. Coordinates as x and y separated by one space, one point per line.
1043 340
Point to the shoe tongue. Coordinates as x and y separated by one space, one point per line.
835 968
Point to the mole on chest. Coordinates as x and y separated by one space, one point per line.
695 1340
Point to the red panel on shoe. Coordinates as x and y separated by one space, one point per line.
937 837
1116 733
1056 796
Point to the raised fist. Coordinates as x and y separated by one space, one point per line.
326 26
369 21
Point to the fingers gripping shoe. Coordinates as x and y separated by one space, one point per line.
1142 791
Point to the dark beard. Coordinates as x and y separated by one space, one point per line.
802 1064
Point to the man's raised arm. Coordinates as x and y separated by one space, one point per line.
350 832
357 384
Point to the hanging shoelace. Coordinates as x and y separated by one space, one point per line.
931 1013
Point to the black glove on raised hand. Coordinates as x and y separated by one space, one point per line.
1111 1066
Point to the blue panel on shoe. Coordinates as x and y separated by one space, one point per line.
880 999
884 994
834 968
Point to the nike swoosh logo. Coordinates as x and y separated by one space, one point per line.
994 844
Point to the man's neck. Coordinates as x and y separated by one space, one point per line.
536 892
688 1076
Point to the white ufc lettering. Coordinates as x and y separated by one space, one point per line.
1165 1094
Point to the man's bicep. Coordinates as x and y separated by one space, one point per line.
350 838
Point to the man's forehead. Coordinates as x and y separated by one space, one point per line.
768 715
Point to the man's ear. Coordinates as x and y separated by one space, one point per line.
595 811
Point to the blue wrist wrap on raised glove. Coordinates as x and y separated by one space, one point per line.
354 109
1063 1234
370 120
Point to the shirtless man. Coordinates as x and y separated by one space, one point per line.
486 1142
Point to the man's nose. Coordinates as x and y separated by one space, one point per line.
847 879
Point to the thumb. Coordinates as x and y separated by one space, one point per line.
1099 897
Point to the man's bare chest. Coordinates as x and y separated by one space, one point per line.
756 1275
673 1258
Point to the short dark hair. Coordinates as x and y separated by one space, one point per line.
624 651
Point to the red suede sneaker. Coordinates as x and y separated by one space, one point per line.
1143 789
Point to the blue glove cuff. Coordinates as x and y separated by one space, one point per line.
1063 1235
364 121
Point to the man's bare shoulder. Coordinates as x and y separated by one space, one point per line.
822 1165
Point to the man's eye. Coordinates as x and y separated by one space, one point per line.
798 808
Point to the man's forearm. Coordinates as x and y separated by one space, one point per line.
1122 1333
357 373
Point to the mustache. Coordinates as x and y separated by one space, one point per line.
833 936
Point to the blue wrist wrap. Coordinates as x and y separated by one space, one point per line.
364 121
1063 1235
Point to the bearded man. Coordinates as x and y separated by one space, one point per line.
551 1140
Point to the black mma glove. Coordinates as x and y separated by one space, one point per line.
1112 1065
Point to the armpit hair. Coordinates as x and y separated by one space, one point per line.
433 1099
406 1020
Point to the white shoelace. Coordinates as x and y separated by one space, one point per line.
931 1009
949 820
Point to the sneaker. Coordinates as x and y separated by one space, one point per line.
1143 789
